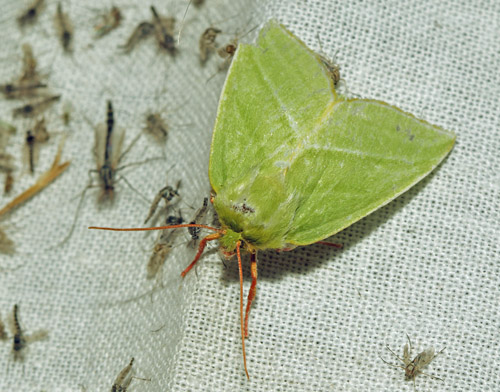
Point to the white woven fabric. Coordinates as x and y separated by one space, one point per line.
426 265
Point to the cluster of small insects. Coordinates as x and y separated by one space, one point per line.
32 88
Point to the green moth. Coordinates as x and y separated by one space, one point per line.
293 163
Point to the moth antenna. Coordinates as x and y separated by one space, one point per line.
220 231
242 326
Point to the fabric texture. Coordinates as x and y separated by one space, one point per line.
426 265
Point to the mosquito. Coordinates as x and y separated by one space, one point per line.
414 367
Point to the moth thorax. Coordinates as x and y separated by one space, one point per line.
229 240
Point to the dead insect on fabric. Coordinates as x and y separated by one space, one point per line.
164 29
18 90
414 367
35 108
108 22
6 159
156 126
169 194
38 135
330 65
198 218
108 154
140 33
29 72
124 378
31 14
207 43
19 339
162 247
64 28
108 146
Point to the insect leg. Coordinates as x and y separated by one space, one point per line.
253 289
390 364
240 269
396 355
338 246
201 247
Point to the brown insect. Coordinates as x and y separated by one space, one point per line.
168 194
33 139
124 378
30 15
64 28
18 90
164 29
141 32
414 367
207 43
6 131
156 127
20 339
198 218
163 245
29 72
35 108
108 22
28 84
332 68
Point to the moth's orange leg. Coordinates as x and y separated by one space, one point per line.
201 247
238 245
253 289
338 246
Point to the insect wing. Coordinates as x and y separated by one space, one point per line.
424 358
100 144
117 138
307 162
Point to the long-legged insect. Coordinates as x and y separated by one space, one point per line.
20 339
332 68
35 108
414 367
33 139
108 154
164 28
207 43
169 194
140 33
163 245
228 51
124 378
108 22
64 28
31 13
198 218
